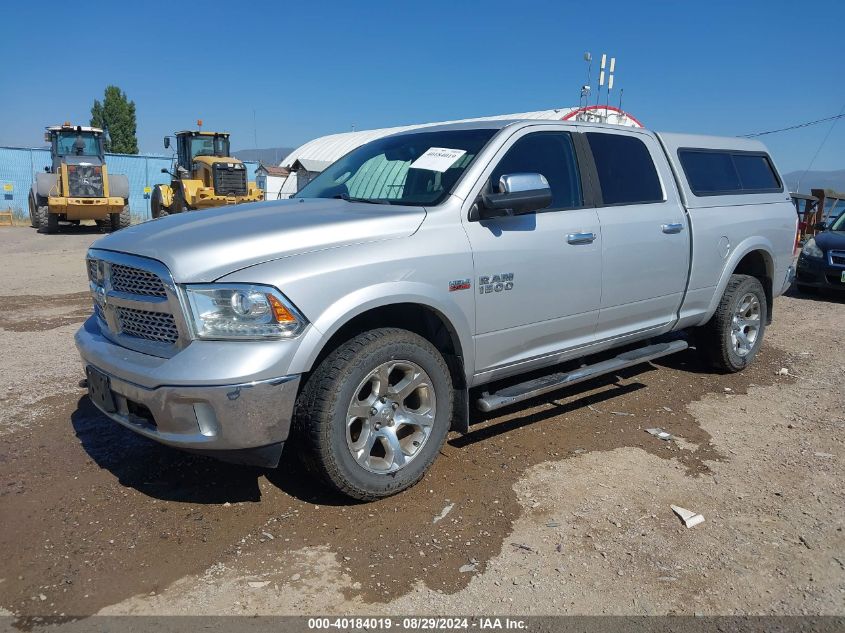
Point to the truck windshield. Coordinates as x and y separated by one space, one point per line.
77 144
414 169
209 146
838 223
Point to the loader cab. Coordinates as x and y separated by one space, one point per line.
191 144
74 141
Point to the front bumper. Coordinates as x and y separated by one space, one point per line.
244 422
85 208
205 198
819 273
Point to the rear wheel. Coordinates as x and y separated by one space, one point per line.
733 336
47 222
33 212
375 412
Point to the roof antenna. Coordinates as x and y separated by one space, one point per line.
609 89
601 77
585 89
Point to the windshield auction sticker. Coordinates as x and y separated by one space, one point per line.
438 159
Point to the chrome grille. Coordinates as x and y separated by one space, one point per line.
837 257
135 281
152 326
134 304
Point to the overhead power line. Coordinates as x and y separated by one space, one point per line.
795 127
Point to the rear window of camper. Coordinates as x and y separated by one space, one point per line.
725 172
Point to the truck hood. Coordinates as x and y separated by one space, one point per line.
201 246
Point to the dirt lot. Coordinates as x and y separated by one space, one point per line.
558 507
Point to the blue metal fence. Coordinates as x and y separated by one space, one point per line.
18 164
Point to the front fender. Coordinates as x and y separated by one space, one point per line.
166 194
190 187
755 243
339 313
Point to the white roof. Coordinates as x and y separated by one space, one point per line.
84 128
328 149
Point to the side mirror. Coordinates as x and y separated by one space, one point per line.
820 226
166 142
519 194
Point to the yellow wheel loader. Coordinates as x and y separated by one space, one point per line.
204 176
77 186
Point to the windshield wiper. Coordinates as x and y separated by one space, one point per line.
348 198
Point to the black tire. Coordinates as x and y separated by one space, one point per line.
714 339
47 222
121 220
157 209
320 420
33 212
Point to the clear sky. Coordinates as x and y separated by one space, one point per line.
311 68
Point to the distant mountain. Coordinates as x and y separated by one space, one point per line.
267 156
816 180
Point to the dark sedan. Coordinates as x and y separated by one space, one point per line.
822 260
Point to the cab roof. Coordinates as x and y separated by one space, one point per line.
200 133
74 128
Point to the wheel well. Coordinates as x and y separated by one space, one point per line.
758 264
414 317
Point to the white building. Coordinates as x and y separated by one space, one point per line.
308 160
271 179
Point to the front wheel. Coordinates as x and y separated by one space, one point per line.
157 208
374 414
120 220
734 334
47 222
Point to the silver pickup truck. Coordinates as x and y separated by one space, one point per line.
425 273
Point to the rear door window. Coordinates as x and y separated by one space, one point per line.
724 172
551 154
626 172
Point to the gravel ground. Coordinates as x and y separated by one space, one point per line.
561 506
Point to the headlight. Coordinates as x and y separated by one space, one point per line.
811 250
241 311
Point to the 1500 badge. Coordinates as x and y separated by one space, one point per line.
495 283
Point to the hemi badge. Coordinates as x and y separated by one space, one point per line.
459 284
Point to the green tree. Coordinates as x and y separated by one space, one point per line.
116 116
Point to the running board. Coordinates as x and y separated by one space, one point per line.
539 386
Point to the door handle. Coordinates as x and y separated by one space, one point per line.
675 227
581 238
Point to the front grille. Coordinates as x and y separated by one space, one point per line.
151 326
92 269
837 257
135 281
229 181
85 181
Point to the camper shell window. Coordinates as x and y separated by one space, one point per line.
728 172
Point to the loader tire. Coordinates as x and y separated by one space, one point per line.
157 209
48 223
121 220
33 212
